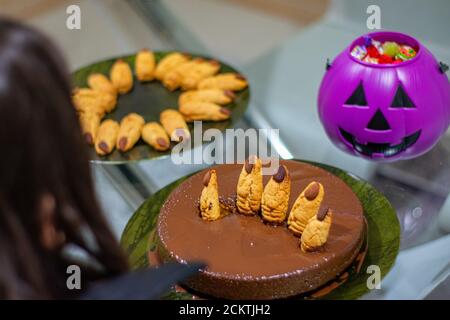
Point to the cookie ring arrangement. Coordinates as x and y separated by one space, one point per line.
286 236
208 91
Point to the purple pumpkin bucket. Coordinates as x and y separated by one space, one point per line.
385 112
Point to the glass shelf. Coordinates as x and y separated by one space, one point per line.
282 47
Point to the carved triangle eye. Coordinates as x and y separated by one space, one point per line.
358 97
401 99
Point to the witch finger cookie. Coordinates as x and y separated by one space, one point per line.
316 232
89 125
250 187
92 101
121 76
175 125
209 199
305 207
145 65
129 132
100 82
224 81
173 79
275 198
106 137
208 111
207 95
202 70
168 63
155 135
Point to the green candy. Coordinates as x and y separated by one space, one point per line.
391 49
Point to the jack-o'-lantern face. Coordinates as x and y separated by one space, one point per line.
379 124
385 112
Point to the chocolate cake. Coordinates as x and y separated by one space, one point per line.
247 258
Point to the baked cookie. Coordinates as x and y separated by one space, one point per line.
209 199
250 187
129 132
224 81
168 63
316 232
155 135
109 101
174 124
275 197
172 80
208 111
207 95
121 76
200 71
106 137
93 101
305 207
145 65
100 82
86 101
89 126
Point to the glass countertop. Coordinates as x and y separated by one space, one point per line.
284 81
282 48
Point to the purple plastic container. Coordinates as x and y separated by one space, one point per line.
385 112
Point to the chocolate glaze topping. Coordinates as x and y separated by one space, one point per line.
249 259
228 205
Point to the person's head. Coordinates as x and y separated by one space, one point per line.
47 197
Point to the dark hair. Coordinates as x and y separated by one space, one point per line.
43 153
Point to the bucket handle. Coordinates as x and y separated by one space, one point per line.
443 68
328 64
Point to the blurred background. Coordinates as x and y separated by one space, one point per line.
281 46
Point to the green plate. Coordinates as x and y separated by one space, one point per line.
383 239
149 99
